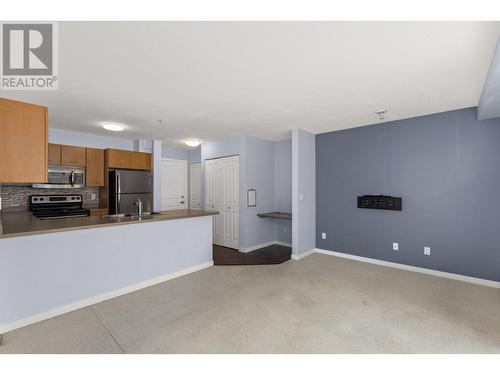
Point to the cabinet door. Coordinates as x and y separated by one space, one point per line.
140 160
23 142
98 211
95 167
73 155
54 154
118 158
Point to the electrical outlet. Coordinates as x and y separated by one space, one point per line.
427 250
94 196
323 236
395 246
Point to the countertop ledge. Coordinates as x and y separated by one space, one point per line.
23 223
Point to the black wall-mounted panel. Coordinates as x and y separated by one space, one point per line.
380 202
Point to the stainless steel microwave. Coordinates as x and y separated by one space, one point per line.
64 177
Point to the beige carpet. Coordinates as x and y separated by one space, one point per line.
320 304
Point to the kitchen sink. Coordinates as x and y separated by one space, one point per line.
133 216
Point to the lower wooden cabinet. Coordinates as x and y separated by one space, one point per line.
95 167
98 211
23 142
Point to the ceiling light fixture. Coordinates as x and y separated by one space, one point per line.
113 126
381 113
192 142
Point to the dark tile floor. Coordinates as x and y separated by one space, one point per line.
274 254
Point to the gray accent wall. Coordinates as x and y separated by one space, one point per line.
446 168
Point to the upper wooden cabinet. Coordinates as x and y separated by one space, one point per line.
119 158
54 154
140 160
73 155
95 167
23 142
128 159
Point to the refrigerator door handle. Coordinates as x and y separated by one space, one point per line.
118 188
117 194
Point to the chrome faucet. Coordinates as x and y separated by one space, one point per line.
138 203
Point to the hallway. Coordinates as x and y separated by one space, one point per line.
274 254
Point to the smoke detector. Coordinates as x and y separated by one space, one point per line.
381 113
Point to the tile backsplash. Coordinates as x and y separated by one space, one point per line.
18 195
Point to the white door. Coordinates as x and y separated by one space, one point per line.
222 194
194 186
213 190
173 184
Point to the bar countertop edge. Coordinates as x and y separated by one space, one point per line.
23 223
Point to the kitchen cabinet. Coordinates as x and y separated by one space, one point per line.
95 167
140 160
23 142
54 154
119 158
128 159
73 155
98 211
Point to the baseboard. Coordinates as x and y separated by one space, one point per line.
100 298
448 275
281 243
302 255
265 244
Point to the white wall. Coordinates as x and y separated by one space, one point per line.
156 156
263 165
259 175
47 274
283 188
88 140
303 191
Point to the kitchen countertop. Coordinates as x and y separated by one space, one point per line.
23 223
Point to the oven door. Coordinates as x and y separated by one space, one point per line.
64 178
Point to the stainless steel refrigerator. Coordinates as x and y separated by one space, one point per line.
126 187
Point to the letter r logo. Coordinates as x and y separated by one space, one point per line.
27 49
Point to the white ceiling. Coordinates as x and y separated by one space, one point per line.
215 79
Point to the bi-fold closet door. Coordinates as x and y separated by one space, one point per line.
222 194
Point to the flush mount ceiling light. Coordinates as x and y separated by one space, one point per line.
381 113
112 126
192 142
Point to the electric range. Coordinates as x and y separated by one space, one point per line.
47 207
